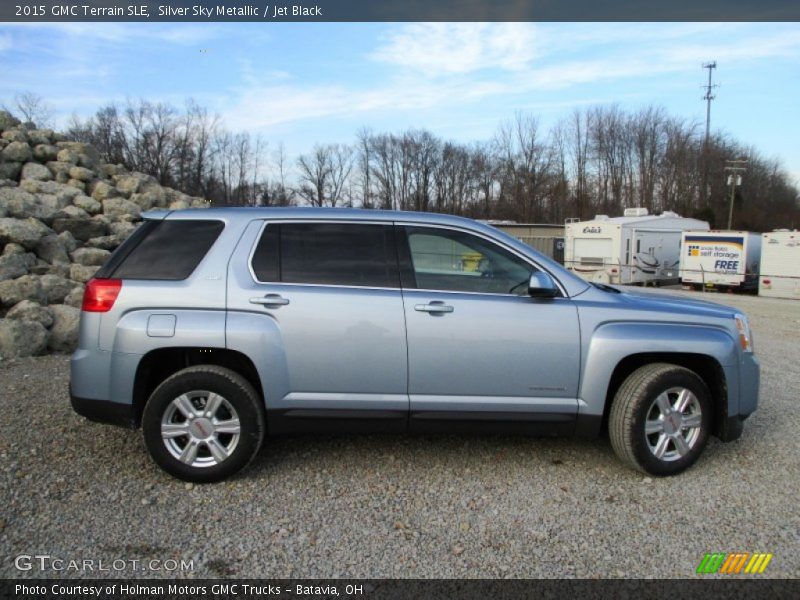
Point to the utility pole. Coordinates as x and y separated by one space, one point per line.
708 97
734 169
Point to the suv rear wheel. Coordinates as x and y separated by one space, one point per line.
660 419
203 423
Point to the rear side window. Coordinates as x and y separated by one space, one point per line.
327 253
164 250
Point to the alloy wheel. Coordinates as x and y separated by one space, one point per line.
673 423
200 428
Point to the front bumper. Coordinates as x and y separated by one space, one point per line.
749 379
749 382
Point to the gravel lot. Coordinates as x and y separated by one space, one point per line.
373 506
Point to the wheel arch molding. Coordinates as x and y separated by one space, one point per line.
618 349
159 364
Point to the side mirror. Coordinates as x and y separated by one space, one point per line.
542 285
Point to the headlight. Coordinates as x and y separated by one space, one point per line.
745 337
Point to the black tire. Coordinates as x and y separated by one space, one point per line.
240 396
635 398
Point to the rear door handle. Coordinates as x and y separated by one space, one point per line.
270 301
434 307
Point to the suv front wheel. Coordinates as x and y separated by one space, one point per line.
203 423
660 419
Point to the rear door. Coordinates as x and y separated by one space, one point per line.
481 352
329 320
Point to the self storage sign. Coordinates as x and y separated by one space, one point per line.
719 254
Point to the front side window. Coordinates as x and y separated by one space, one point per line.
448 260
350 254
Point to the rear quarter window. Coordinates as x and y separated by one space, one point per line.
163 250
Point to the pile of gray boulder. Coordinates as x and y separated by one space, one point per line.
62 212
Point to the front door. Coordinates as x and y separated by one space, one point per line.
480 350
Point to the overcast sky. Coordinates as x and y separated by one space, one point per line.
301 83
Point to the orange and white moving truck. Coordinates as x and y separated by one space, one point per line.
720 259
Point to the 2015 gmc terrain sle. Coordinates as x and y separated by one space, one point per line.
212 328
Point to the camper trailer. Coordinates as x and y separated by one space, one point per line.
780 264
636 248
727 260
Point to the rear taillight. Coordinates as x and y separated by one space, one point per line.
100 294
767 281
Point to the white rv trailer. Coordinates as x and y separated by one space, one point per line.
635 248
720 259
780 264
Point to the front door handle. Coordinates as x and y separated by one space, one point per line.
270 301
434 307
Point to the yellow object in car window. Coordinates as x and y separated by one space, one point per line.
471 260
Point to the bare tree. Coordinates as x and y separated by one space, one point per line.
32 108
364 166
340 159
384 151
425 156
315 174
105 131
484 166
576 139
324 174
281 194
242 158
526 161
224 167
601 159
160 137
677 183
648 137
205 128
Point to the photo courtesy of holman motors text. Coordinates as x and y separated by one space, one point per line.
172 589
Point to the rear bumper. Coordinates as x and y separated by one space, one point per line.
101 385
103 411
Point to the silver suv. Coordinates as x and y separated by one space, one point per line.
213 328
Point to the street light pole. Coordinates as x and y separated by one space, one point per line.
734 168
